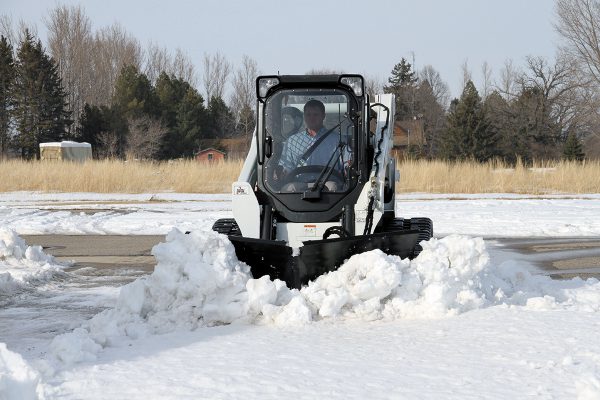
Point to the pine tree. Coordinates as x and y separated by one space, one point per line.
40 107
220 119
191 122
402 74
573 150
469 135
183 112
7 75
402 83
92 123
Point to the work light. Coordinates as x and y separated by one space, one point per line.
355 82
266 83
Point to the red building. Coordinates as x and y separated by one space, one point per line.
210 155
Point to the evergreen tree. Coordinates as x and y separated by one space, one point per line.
40 107
93 122
134 98
191 121
7 75
538 132
469 135
572 150
220 122
402 83
183 112
499 117
402 74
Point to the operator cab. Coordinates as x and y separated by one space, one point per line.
311 141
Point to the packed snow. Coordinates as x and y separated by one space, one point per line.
17 379
486 215
452 323
22 265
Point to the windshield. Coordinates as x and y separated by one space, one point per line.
312 140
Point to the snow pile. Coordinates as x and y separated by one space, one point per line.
18 380
198 281
22 265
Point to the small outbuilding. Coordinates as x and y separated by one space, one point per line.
66 151
210 155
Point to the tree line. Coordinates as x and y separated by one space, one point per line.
542 111
103 87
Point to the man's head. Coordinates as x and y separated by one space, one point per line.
314 115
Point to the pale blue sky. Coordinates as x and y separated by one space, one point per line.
363 37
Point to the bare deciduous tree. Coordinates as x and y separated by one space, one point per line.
373 85
183 67
466 73
6 29
486 80
108 145
157 61
324 71
145 137
112 49
15 34
215 74
579 24
508 80
570 97
438 86
244 94
69 41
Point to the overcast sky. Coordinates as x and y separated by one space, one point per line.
366 37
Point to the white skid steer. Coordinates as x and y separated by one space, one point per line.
318 184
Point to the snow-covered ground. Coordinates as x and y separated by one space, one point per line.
453 323
489 215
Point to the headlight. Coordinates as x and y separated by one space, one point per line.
264 84
355 82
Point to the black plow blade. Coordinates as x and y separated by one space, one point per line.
316 257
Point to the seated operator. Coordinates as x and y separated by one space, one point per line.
298 144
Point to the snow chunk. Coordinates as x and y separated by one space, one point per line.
74 347
18 381
368 277
22 265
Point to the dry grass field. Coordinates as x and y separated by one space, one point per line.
111 176
192 177
496 177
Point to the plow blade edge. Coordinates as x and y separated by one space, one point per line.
316 257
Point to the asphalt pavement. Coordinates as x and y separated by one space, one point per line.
558 257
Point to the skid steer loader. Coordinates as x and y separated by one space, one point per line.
318 185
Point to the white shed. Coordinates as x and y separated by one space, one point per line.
66 151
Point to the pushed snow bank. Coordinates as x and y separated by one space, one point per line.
22 265
18 381
198 281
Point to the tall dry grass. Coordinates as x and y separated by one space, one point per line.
118 176
498 177
193 177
